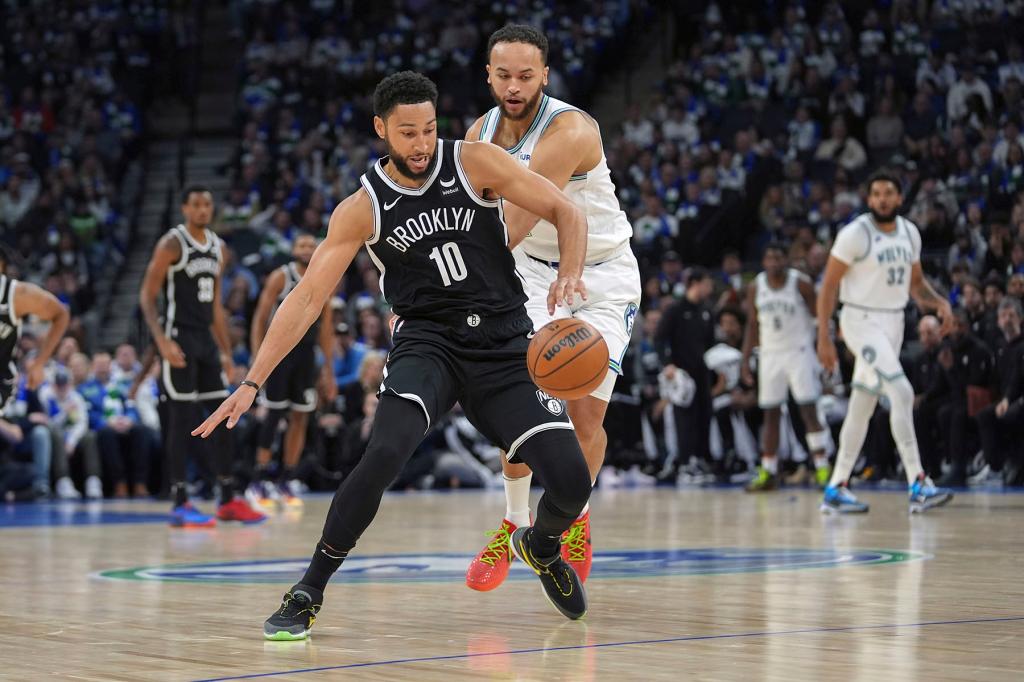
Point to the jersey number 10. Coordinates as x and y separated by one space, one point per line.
449 263
205 294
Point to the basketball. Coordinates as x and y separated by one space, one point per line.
567 358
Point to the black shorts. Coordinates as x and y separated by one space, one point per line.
202 377
292 384
482 367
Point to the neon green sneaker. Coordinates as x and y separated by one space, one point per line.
822 475
764 482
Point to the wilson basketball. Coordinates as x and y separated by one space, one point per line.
567 358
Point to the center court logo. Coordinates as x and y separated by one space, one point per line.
443 568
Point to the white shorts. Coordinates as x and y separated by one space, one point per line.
875 339
613 299
781 372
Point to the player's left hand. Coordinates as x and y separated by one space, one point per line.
232 409
35 373
564 290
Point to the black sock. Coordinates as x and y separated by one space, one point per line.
179 494
227 489
322 566
286 474
544 546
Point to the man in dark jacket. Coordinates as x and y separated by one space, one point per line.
922 370
686 331
999 425
965 363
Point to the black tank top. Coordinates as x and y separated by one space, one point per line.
441 249
10 328
291 278
190 281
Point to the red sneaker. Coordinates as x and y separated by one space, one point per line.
238 510
576 547
490 567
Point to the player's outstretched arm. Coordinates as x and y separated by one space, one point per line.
490 167
32 300
827 298
928 299
571 141
351 225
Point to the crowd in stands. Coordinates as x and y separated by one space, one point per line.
767 122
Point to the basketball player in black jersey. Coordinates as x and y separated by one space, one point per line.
292 387
187 265
430 216
18 299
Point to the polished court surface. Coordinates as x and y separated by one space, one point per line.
687 585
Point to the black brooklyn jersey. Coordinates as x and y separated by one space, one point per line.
291 278
190 281
10 327
441 249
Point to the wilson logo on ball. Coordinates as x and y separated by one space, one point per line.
568 341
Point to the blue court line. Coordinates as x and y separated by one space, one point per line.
692 638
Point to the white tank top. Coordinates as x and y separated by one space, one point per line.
879 263
783 320
608 228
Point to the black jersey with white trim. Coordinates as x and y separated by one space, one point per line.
441 249
10 327
191 280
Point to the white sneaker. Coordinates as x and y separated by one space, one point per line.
66 489
610 477
985 477
638 478
93 488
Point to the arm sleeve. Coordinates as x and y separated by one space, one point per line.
851 244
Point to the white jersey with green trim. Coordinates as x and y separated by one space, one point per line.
784 322
879 263
609 230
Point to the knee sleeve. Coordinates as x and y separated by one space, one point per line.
556 459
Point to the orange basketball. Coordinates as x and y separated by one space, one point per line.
567 359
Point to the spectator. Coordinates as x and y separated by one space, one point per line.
841 149
968 250
929 393
959 94
999 425
686 332
885 131
69 419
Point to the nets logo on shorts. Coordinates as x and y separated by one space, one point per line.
451 568
552 405
630 317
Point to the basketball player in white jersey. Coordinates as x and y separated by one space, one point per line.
780 321
562 143
875 267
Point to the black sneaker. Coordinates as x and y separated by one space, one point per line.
561 585
296 616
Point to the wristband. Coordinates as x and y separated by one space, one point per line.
246 382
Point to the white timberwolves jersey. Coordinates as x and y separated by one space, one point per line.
879 263
609 231
783 320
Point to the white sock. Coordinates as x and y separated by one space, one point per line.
770 464
901 422
517 499
853 433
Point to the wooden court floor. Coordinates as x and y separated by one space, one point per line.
688 585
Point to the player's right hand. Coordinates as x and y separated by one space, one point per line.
232 409
172 353
563 291
827 354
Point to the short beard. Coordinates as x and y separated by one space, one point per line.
884 218
402 167
528 110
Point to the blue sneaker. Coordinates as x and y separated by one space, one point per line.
187 516
924 495
839 500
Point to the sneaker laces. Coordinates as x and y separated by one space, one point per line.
498 547
576 540
292 606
